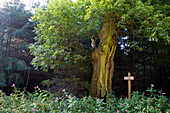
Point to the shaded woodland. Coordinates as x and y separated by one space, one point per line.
71 69
16 33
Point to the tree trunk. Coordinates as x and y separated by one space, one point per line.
103 64
29 61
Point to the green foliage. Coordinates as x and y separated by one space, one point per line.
14 64
25 32
144 20
42 101
62 34
63 24
151 102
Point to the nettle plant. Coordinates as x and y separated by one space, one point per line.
42 101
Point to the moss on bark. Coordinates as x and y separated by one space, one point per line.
103 64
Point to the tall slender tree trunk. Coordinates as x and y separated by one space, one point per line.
1 42
28 72
7 48
103 64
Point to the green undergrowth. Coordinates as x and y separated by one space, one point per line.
42 101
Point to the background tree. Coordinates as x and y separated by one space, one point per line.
16 33
64 24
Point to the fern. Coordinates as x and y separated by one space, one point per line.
15 64
3 79
20 65
15 78
10 65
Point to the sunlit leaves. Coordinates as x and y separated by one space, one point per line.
58 32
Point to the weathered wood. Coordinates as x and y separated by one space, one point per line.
103 64
129 78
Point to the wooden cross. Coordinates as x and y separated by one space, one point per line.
129 78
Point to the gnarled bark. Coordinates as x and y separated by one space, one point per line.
103 64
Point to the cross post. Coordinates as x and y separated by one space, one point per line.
129 78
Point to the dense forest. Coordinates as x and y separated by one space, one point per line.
16 33
85 47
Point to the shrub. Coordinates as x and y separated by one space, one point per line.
42 101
